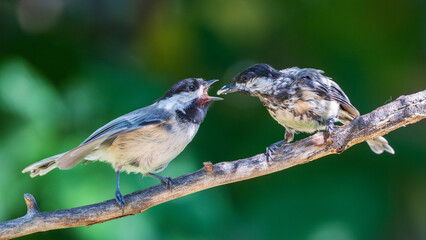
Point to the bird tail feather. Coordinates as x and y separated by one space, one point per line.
379 145
42 167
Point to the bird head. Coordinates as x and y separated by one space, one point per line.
188 92
254 80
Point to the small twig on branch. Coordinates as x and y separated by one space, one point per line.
403 111
32 208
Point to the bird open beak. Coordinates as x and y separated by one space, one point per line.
206 96
230 88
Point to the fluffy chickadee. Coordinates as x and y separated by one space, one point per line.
143 141
301 100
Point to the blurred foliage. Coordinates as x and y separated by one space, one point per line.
69 66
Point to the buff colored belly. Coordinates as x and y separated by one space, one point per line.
298 123
144 151
306 116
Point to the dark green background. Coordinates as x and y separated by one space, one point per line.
69 66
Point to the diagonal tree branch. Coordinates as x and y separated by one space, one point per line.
403 111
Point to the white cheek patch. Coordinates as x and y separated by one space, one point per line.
261 85
240 86
200 91
181 100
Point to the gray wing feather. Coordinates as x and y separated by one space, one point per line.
338 95
315 78
142 118
111 127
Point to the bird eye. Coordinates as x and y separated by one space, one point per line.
244 78
191 87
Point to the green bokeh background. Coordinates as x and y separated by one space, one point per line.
69 66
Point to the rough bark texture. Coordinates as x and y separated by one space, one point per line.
403 111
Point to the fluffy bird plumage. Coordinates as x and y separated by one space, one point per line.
143 141
300 99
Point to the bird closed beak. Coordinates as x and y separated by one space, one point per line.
230 88
206 96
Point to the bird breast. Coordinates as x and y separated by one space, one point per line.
302 115
148 150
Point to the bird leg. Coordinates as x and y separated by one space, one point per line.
166 180
328 134
118 196
288 137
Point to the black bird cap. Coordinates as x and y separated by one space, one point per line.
186 85
257 70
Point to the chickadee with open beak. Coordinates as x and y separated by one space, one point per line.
301 100
143 141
